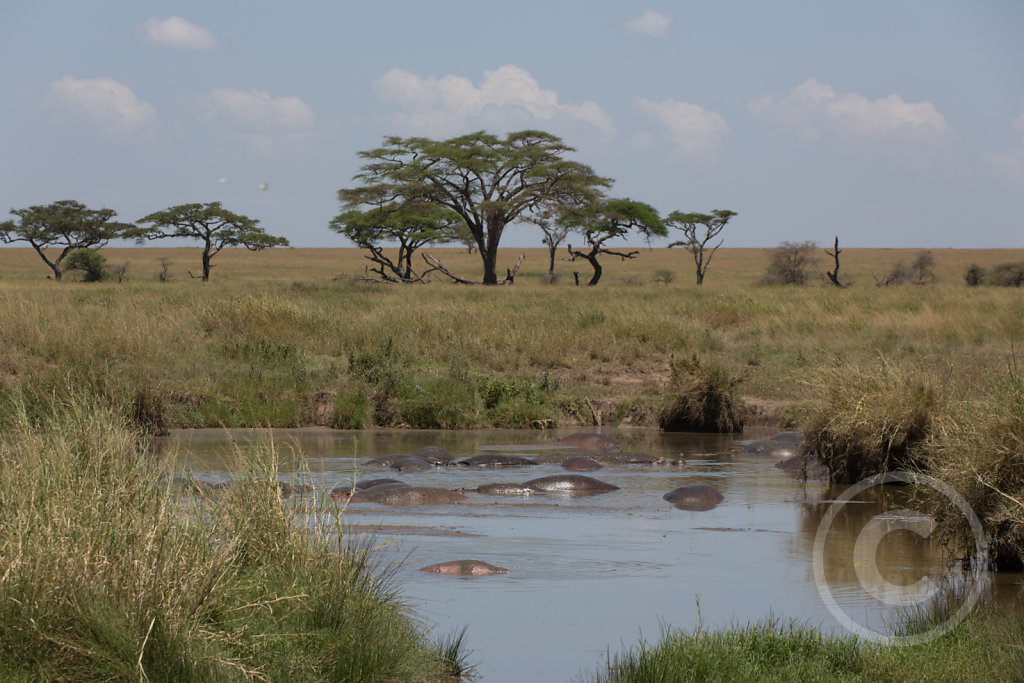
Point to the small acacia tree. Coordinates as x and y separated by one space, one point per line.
63 227
609 220
699 229
210 223
410 224
791 263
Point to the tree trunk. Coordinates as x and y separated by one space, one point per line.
206 266
597 270
490 259
551 264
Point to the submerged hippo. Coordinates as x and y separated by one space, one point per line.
372 494
768 448
792 437
577 484
504 490
418 495
435 455
410 463
804 466
497 460
586 441
384 460
287 489
465 568
581 463
627 458
697 497
556 457
345 490
364 484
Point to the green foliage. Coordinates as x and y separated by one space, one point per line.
488 181
697 239
91 263
210 223
974 275
66 225
601 221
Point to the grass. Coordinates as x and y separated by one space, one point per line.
107 574
985 647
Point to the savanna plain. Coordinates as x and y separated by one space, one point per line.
124 580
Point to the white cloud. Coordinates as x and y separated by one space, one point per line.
813 107
269 123
101 102
508 96
649 23
693 129
178 33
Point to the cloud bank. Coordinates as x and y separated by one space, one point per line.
178 33
508 97
812 108
103 103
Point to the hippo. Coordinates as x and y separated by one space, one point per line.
778 449
364 484
697 497
792 437
435 455
581 464
503 490
190 486
627 458
465 568
372 494
418 495
576 484
497 460
410 463
804 466
384 460
556 457
586 441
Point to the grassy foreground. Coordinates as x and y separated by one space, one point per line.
104 575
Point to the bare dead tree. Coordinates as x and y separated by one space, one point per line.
833 275
436 264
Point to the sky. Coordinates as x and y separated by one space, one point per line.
891 123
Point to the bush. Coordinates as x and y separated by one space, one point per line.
1007 275
921 271
791 263
89 262
701 397
975 275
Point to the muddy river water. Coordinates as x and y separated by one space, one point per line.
595 574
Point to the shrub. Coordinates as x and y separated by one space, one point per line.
89 262
701 397
1007 275
791 263
921 271
975 275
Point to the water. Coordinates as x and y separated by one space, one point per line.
592 575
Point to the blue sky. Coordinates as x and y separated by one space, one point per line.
891 124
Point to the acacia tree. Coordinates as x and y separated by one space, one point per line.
555 232
609 220
699 229
214 225
66 225
411 224
487 180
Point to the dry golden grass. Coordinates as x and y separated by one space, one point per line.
274 330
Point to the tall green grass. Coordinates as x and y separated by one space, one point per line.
106 573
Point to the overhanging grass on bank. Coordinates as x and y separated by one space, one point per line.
106 575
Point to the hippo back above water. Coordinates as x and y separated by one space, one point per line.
497 460
577 484
696 497
587 441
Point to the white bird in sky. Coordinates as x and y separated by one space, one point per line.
223 180
264 186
